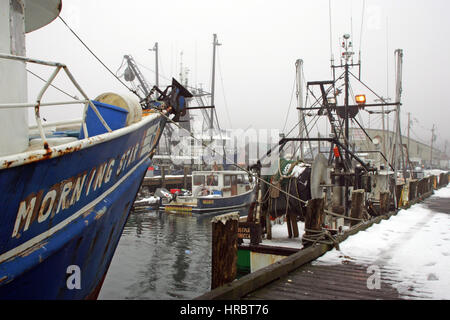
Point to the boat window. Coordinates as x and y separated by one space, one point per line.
212 180
240 179
198 180
226 180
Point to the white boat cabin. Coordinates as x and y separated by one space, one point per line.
219 183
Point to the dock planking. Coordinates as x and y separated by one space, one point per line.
317 282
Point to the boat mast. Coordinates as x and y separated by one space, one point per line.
347 54
301 116
155 48
213 77
398 134
431 149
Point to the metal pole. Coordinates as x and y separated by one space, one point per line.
346 105
409 126
399 54
215 43
301 117
383 100
346 136
155 48
431 151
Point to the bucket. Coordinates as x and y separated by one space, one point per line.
114 116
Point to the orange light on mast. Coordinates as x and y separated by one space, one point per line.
360 99
336 152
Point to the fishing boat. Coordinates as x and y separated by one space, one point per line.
214 191
65 198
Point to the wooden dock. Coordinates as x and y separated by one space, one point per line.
339 282
296 278
241 288
344 281
168 182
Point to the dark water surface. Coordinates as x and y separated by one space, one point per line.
160 256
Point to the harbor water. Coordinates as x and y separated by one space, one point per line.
160 256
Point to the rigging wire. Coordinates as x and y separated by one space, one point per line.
223 89
289 108
331 33
60 90
362 27
96 57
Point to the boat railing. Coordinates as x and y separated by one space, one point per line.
57 123
36 105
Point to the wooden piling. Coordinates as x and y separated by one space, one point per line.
291 222
399 194
435 182
384 202
357 206
412 190
224 249
443 179
268 226
419 190
313 219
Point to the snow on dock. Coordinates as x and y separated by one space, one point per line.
405 257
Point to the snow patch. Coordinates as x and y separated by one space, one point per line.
412 246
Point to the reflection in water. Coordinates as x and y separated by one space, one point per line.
160 256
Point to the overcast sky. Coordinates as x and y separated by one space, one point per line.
261 41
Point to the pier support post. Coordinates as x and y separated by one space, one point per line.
412 191
357 206
224 249
443 180
384 202
434 182
313 220
291 222
399 194
268 226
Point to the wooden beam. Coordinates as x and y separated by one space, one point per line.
357 206
224 249
313 219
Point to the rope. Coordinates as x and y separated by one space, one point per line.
321 236
342 216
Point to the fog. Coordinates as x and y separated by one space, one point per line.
261 40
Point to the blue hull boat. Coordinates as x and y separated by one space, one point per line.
65 198
69 210
214 192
